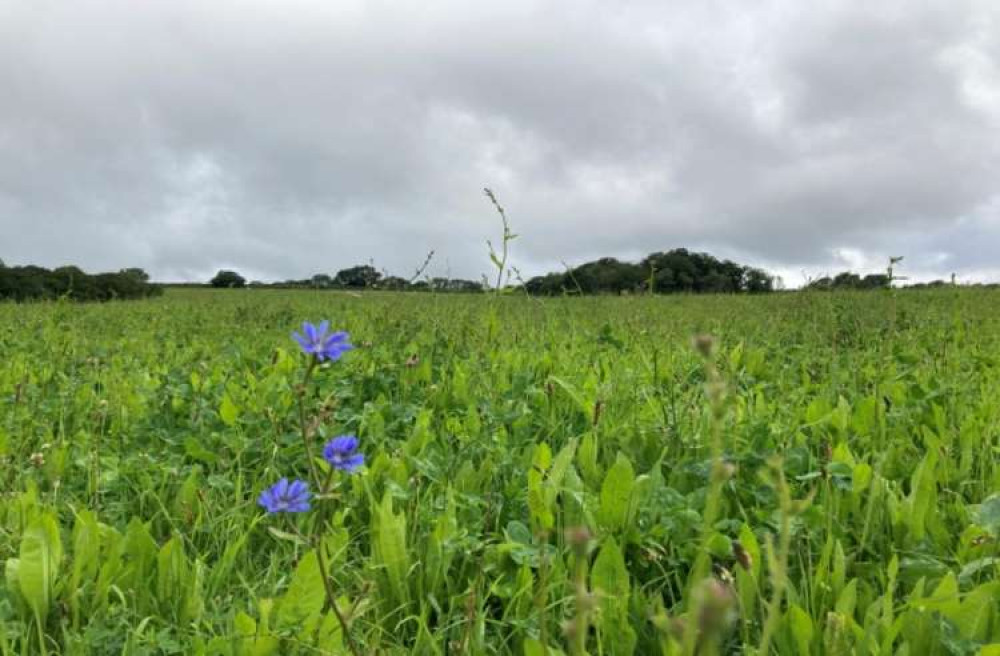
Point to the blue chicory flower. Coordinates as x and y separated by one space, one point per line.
342 453
316 341
285 497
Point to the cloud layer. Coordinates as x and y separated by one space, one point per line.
285 139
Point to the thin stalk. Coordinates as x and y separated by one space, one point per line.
715 391
778 566
542 594
331 596
332 600
303 425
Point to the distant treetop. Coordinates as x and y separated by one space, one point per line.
28 283
660 273
227 278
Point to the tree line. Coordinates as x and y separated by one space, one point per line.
676 271
849 280
30 283
357 277
662 273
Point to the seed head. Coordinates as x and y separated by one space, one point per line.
742 556
578 538
704 344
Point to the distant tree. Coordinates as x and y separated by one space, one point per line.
548 285
847 280
225 278
394 283
32 282
876 281
678 270
136 274
825 283
321 281
716 282
360 276
757 281
466 286
455 285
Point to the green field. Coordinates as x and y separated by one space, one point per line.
542 476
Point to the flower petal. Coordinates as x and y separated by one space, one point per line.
303 342
353 462
280 488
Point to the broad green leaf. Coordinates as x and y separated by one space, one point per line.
922 498
848 599
988 514
977 609
178 582
576 395
609 579
616 492
37 569
747 580
86 557
302 602
228 411
139 552
801 627
389 548
587 460
609 573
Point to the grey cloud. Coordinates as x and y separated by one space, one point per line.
286 139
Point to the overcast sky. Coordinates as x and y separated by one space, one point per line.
288 138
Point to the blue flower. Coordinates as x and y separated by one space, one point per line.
285 497
315 341
342 453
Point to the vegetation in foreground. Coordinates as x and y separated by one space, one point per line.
540 475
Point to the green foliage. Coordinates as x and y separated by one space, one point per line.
847 280
662 273
135 439
31 283
227 279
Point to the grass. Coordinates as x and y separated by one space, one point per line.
540 475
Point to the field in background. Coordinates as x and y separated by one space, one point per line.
860 436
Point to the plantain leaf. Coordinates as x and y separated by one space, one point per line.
303 601
609 573
37 570
389 549
228 411
616 491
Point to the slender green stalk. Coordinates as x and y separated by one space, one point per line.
306 434
500 259
777 563
331 598
715 390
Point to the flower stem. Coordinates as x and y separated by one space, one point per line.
303 425
332 600
331 596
